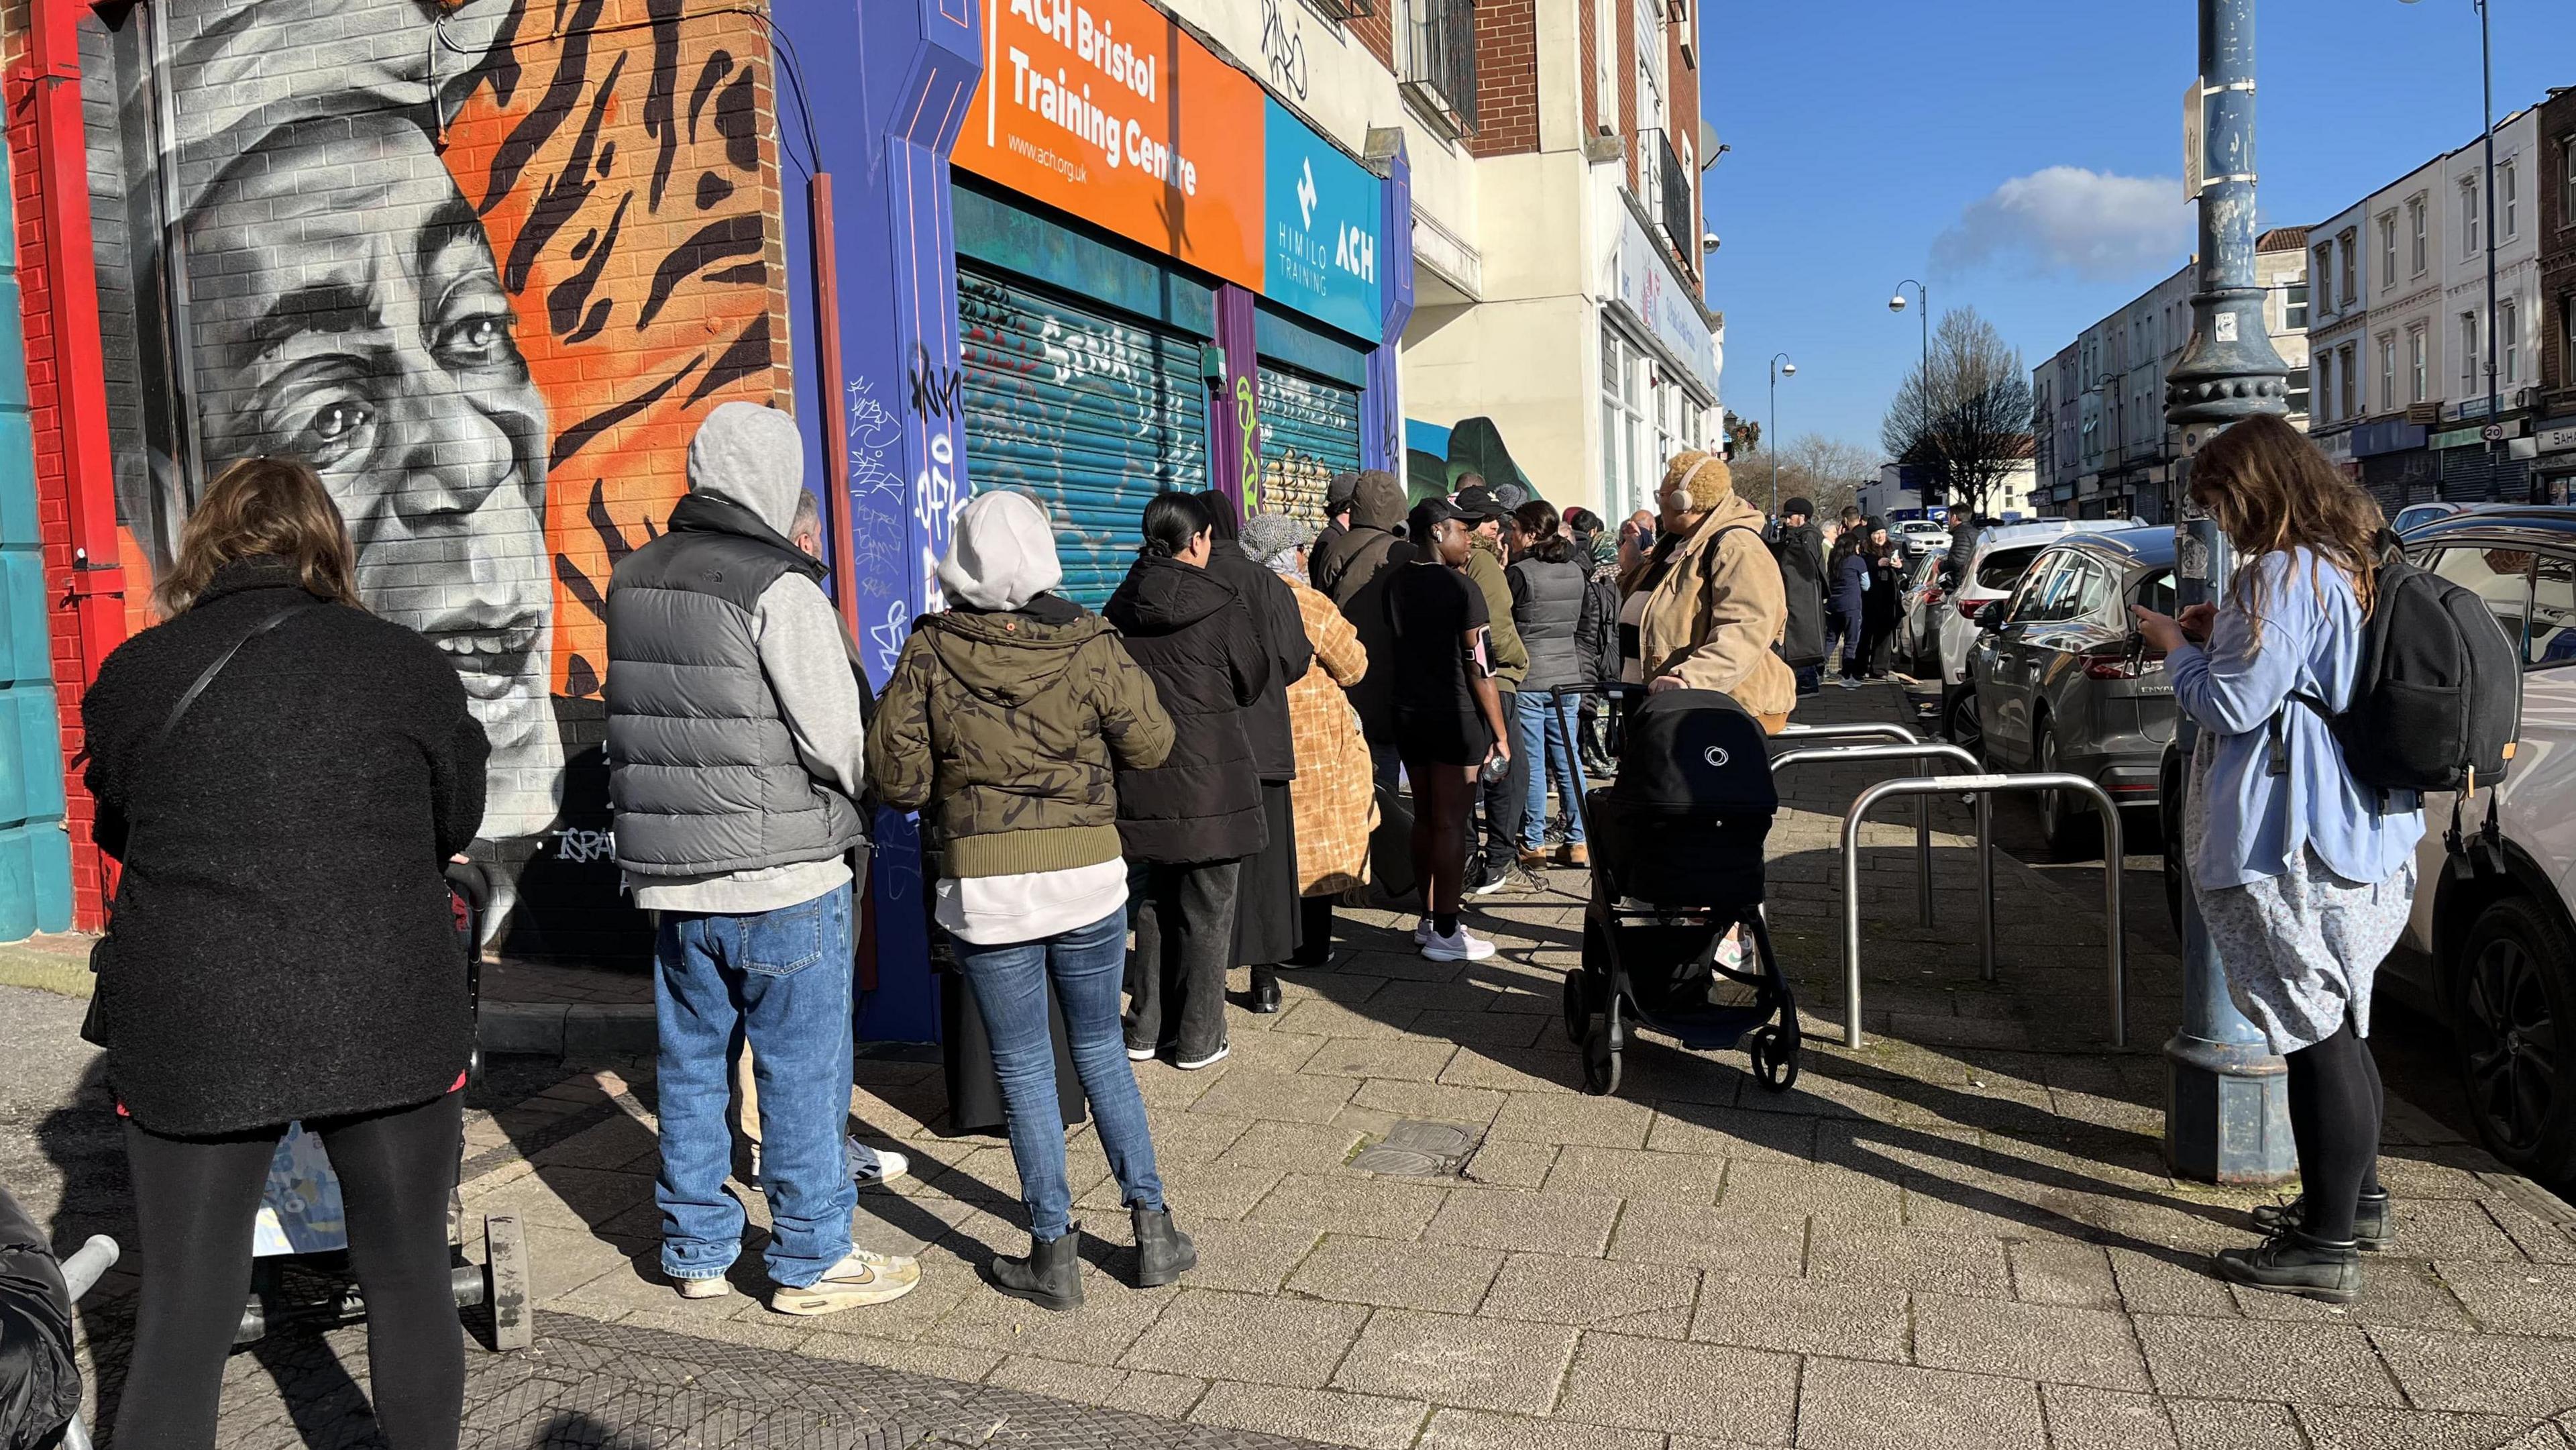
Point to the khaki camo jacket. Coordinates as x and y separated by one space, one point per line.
1006 731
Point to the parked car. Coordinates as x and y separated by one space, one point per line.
2002 553
2060 681
1918 633
2490 949
1924 536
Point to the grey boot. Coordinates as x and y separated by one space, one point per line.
1163 1252
2291 1262
1051 1275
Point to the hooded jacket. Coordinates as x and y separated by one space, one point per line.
1800 553
40 1381
1714 615
736 743
1008 728
1511 656
1195 638
1377 511
1283 638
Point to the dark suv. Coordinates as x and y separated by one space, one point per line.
2062 682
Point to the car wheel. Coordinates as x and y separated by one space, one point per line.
1959 722
2516 1006
2071 827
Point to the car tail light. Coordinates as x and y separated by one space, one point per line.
2122 666
1932 596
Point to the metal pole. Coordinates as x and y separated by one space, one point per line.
2115 866
2226 1106
1923 857
2496 446
1986 883
1771 444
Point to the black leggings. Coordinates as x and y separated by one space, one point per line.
2336 1103
195 1202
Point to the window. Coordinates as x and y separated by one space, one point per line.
1440 59
1605 68
2347 377
2468 216
2351 268
2387 252
2387 373
2567 335
2034 602
2324 273
2468 354
2417 360
2567 181
2509 337
2509 197
2415 225
2553 613
2295 318
2298 398
2325 367
1623 425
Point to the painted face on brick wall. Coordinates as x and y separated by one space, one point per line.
369 334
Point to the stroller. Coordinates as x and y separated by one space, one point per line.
1677 863
300 1243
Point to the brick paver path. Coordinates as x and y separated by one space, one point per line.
1960 1236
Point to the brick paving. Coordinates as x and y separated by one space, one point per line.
1958 1236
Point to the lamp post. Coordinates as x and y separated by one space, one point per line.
1896 303
1781 367
2486 70
2227 1114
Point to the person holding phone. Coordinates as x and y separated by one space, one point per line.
1448 714
2304 875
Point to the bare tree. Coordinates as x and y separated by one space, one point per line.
1827 472
1967 423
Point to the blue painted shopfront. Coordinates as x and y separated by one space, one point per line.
988 337
35 853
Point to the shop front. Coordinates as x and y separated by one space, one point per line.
2553 463
1659 367
2395 465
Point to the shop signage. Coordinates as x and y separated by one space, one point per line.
2558 435
2456 438
1109 110
1645 285
1322 229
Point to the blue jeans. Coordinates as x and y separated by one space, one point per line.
784 977
1087 967
1546 730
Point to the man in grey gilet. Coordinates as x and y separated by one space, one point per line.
735 748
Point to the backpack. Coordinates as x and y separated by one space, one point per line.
2435 704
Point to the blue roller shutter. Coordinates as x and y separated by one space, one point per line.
1310 430
1089 413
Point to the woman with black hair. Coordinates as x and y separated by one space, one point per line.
1188 823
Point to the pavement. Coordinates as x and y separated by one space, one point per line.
1959 1235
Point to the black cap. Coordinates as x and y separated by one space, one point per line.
1478 502
1338 491
1427 515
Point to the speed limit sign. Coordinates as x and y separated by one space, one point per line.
2493 432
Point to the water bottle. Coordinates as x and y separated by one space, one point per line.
1496 766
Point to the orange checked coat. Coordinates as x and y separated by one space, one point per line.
1334 794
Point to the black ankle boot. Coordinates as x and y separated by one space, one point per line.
2291 1262
1051 1276
1163 1252
1265 992
2373 1228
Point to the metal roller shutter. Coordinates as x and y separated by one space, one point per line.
1310 430
2471 474
1090 414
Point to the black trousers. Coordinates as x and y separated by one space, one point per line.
195 1201
1184 920
1506 802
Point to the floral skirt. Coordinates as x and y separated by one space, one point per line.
2300 949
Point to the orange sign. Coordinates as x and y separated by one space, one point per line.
1108 110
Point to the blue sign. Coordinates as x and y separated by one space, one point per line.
1323 244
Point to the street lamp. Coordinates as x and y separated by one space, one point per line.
1781 367
2486 68
1923 296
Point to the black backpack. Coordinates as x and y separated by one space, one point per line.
2436 703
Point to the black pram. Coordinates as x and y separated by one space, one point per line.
1677 864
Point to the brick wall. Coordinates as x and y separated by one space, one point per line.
623 271
1377 32
2557 248
1506 78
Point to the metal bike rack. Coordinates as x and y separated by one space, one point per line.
1856 730
1984 788
1918 750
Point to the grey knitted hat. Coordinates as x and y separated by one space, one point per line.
1273 539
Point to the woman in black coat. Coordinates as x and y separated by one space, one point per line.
1189 822
281 945
1268 915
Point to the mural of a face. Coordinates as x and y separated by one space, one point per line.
371 337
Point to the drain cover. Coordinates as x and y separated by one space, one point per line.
1419 1149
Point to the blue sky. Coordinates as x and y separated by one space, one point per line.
1877 140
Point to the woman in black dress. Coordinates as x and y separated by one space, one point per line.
1448 716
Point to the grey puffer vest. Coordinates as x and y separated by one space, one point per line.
1547 604
703 774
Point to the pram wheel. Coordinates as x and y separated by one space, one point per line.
1775 1058
1601 1053
1578 1005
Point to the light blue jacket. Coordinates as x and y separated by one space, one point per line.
2257 821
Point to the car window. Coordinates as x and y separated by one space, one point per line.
2029 599
2156 592
2002 568
2088 592
2553 612
2501 577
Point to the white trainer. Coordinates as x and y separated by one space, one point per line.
1459 946
714 1288
872 1167
855 1282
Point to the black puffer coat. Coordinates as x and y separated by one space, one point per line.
1801 554
40 1382
1282 633
1196 639
282 943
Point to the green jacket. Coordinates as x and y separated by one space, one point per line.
1511 657
1006 730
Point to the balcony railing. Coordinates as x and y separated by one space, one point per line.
1666 191
1440 60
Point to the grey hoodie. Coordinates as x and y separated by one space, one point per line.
753 457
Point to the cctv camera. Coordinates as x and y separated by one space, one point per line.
1709 241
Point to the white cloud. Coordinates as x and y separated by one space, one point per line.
2068 219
